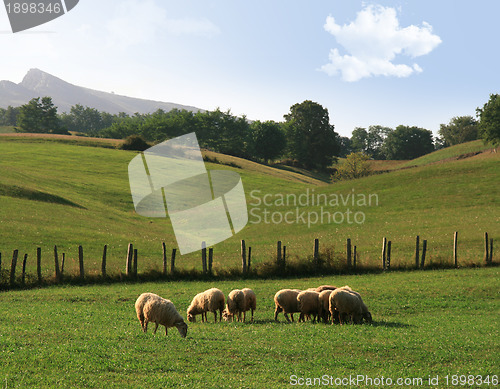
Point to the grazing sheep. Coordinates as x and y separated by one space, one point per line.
324 298
309 304
348 304
285 301
211 300
139 306
250 301
162 311
235 305
239 301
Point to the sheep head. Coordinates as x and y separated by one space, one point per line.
182 328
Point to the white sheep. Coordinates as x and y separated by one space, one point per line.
240 301
349 304
309 304
285 301
321 288
324 299
211 300
153 308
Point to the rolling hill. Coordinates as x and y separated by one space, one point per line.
67 192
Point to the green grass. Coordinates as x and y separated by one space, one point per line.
425 324
64 194
454 152
6 129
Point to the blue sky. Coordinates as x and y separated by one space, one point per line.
383 62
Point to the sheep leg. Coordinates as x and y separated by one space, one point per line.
156 327
145 329
252 314
166 331
244 316
276 311
215 316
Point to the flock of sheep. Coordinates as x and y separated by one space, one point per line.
326 302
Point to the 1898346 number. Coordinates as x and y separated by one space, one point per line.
33 8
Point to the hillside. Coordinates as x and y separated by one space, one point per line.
64 95
69 194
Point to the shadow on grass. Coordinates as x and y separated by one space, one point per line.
35 195
390 324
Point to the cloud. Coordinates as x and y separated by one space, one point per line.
372 43
141 21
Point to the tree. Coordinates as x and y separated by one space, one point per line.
39 117
489 120
8 117
83 119
269 140
408 143
356 165
370 142
460 129
311 138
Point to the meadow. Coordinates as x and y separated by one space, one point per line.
69 191
426 324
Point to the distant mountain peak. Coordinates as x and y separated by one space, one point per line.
37 83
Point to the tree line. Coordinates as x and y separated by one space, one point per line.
305 138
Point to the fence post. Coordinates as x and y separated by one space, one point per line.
13 267
103 264
486 248
243 257
204 257
424 250
23 274
164 258
210 259
284 256
417 252
172 261
63 262
128 264
384 253
455 249
39 263
249 257
56 265
80 259
316 250
388 256
349 254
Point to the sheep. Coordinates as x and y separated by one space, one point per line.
285 301
162 311
139 306
211 300
348 303
324 298
309 304
235 304
239 301
250 301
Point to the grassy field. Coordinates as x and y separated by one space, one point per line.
426 324
64 193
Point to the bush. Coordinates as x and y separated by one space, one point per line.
135 142
356 165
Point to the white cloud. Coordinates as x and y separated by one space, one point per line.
373 41
141 21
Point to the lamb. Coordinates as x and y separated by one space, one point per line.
285 301
239 301
348 303
309 304
211 300
153 308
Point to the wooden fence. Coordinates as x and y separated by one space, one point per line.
131 259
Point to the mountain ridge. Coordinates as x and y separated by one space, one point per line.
37 83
